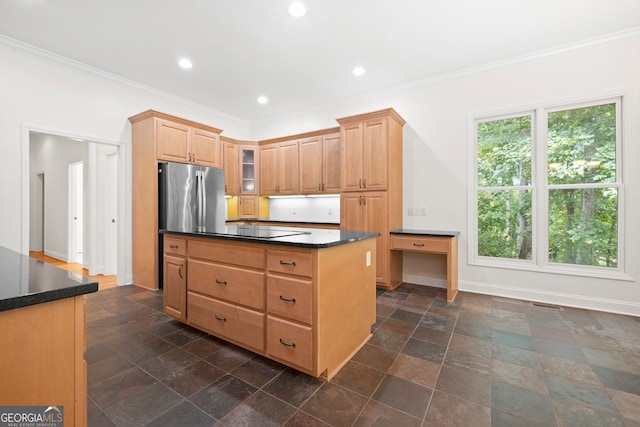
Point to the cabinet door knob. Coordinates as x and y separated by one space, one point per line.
287 299
220 318
418 244
364 183
221 282
173 246
180 271
283 262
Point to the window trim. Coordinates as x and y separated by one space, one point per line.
540 191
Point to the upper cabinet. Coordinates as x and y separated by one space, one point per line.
368 149
248 156
230 162
240 167
180 142
279 168
320 164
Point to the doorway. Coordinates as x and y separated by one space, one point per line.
76 217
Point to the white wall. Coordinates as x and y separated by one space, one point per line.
49 96
436 147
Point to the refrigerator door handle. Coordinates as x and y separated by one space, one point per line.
203 202
198 201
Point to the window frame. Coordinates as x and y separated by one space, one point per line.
540 188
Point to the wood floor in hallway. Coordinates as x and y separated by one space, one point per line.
104 282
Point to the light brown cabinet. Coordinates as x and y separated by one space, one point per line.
364 155
225 291
288 304
230 161
178 142
279 168
175 278
320 164
367 211
42 358
371 190
248 207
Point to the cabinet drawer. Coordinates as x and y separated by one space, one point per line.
290 298
228 253
232 284
227 320
290 262
421 244
290 342
175 246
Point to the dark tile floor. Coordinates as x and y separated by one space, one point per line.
480 361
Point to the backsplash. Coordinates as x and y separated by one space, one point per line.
305 209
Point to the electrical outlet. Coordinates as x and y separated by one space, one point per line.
423 211
330 211
410 211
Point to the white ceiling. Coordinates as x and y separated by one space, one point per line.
245 48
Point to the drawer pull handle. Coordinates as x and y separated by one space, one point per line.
288 344
180 271
223 319
418 244
173 246
287 299
221 282
293 263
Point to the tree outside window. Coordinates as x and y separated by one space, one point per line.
580 179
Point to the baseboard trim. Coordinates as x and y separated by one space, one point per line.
56 255
563 299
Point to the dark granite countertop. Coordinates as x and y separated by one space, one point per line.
26 281
284 236
426 232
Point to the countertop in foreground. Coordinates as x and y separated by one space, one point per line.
26 281
284 236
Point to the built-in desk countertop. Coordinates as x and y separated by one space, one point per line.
432 241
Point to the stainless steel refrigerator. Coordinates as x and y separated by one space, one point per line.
191 198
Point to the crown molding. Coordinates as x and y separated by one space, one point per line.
54 58
568 49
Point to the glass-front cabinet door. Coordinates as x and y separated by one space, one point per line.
248 168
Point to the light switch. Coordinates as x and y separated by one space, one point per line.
368 259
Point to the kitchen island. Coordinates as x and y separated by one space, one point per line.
43 339
304 297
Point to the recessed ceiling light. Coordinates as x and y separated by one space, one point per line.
185 63
358 71
262 99
297 9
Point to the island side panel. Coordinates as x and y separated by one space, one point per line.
38 358
346 303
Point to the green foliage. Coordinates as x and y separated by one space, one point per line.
583 219
504 152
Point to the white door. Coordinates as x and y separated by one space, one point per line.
76 202
111 207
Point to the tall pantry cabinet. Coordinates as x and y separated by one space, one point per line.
371 184
157 138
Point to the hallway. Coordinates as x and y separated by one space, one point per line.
104 282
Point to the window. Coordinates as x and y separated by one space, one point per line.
548 188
